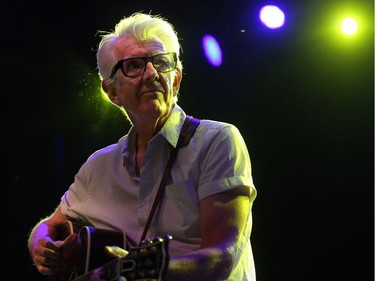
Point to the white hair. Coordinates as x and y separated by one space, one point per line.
139 26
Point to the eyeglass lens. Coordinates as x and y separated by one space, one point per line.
136 66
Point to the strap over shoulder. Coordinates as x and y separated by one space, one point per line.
187 131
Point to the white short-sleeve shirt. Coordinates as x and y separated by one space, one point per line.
107 193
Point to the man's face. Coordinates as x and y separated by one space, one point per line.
150 95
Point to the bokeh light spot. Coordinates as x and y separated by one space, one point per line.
272 16
349 26
212 50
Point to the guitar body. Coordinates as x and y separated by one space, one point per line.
93 241
148 261
90 254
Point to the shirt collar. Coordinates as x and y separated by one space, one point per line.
170 130
172 127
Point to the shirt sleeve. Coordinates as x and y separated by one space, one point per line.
75 198
226 164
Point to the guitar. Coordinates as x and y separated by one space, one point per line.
147 261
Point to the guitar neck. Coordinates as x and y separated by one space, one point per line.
111 269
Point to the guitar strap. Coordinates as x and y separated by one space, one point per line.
187 131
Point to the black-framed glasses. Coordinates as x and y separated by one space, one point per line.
133 67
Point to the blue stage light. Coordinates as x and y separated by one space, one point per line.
272 16
212 50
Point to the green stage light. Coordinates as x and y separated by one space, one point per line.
344 26
349 26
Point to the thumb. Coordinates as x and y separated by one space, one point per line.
71 241
69 247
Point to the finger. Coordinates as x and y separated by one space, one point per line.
98 275
51 244
69 249
43 254
48 257
46 270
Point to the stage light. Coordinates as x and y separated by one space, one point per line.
272 16
349 26
212 50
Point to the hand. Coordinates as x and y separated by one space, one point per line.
52 256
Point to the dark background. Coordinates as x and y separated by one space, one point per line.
302 96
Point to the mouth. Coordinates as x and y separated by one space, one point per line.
150 95
151 92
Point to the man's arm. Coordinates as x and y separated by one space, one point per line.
44 250
223 219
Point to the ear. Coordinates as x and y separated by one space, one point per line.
177 81
109 88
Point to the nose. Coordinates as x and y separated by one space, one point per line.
150 72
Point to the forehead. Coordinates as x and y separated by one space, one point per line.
127 47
